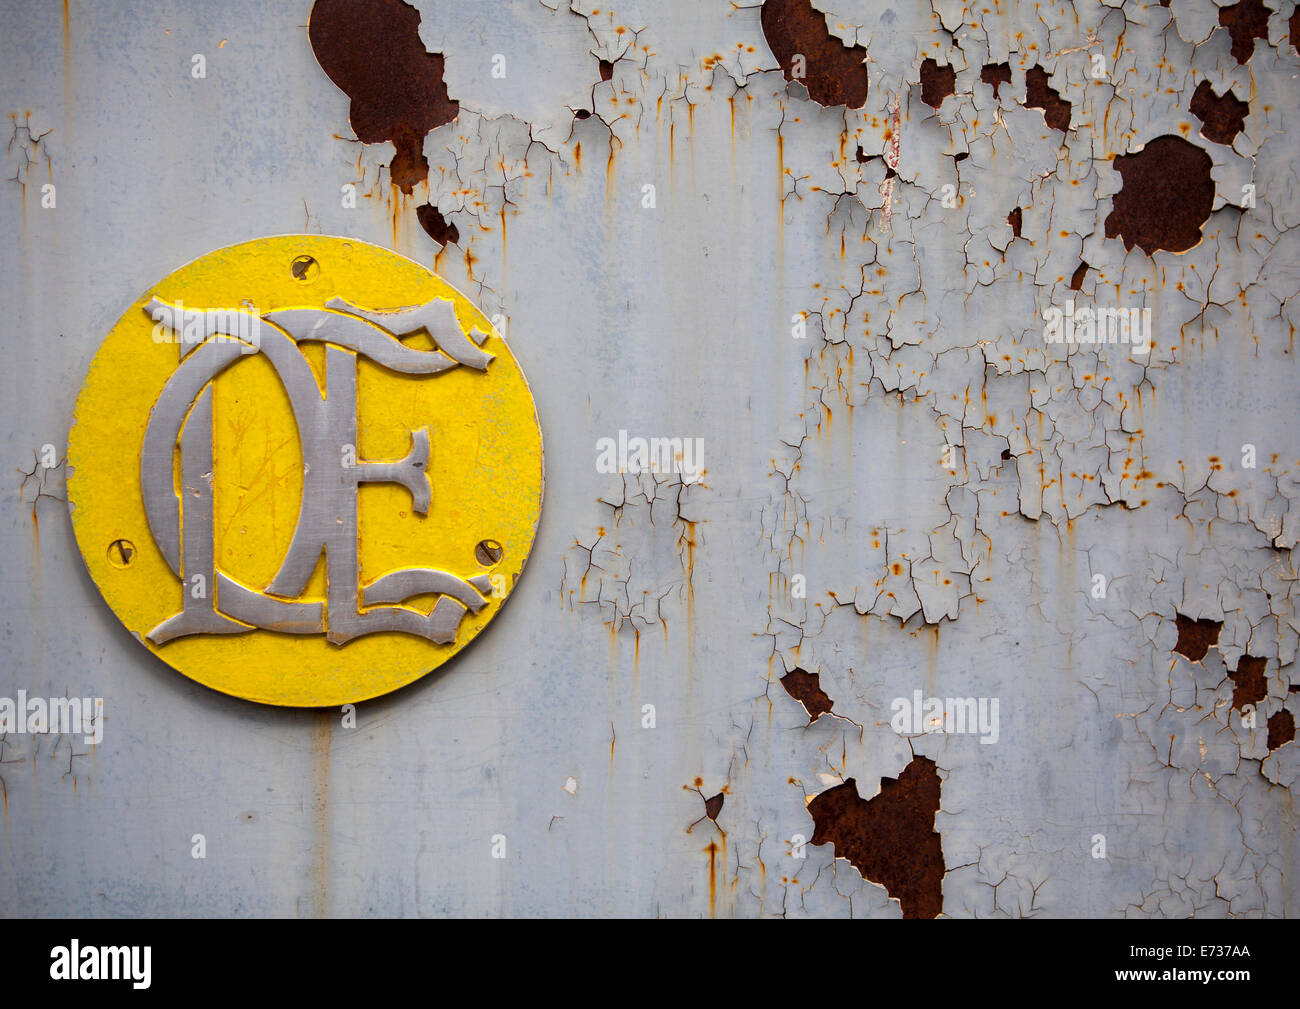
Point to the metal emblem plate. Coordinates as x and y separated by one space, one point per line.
305 470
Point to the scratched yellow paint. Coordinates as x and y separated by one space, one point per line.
485 468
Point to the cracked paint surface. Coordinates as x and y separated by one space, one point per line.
906 487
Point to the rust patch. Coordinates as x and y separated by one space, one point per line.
712 806
1196 636
1016 219
937 83
1248 681
834 73
1166 197
1294 26
889 839
372 51
1246 21
1040 95
996 74
1223 117
439 228
1281 729
1076 279
806 688
606 70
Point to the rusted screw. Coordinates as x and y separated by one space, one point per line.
488 552
121 553
305 268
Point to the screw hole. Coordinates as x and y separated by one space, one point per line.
489 552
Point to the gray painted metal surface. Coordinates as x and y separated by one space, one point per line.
833 530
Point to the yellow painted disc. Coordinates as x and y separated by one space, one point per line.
253 467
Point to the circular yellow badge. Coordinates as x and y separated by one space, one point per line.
304 470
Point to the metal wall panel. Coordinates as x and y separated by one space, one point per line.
829 297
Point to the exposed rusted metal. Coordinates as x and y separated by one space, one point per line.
1249 686
834 73
436 226
1167 196
372 50
1016 219
996 74
890 838
805 687
1281 729
1041 95
937 82
1246 21
1195 637
1223 116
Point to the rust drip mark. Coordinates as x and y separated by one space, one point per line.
937 83
1166 197
1196 636
1016 219
438 227
1246 21
805 687
996 74
372 50
834 73
1039 95
1223 116
889 839
1281 729
712 851
1248 681
1076 279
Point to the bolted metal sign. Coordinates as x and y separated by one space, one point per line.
305 470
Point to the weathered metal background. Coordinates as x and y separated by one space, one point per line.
676 312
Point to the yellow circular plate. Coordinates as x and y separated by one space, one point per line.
316 393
